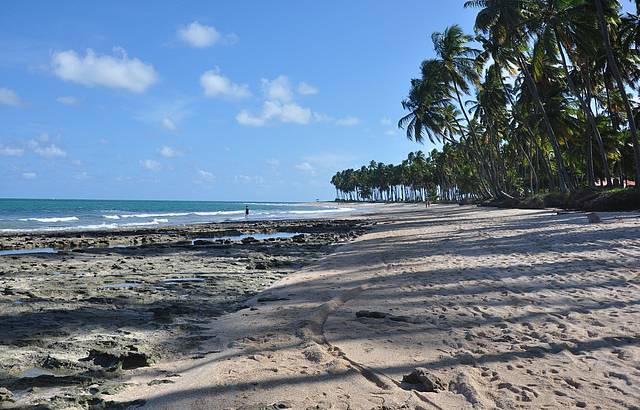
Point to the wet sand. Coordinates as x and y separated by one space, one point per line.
74 322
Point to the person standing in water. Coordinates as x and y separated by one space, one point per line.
246 210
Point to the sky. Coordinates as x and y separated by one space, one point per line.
202 100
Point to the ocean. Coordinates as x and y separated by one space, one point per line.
31 215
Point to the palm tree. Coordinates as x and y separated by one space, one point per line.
604 30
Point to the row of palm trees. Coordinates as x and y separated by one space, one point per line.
417 178
540 98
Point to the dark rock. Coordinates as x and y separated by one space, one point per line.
422 380
248 240
201 242
261 266
271 298
367 313
112 360
298 238
593 218
159 381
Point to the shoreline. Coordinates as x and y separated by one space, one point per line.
79 320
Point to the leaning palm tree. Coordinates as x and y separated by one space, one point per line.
508 23
606 38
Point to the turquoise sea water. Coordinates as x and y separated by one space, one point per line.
25 215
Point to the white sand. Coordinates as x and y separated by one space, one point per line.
510 308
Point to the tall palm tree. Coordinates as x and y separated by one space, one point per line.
604 30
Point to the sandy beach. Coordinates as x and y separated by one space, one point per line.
498 308
489 308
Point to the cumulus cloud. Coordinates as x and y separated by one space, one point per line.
9 97
67 100
307 89
199 35
278 106
29 175
349 121
168 152
215 84
11 152
150 164
278 89
168 124
117 71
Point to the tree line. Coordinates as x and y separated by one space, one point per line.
539 98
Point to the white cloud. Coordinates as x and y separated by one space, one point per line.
29 175
273 162
307 89
9 97
199 35
205 174
349 121
150 165
169 152
104 70
245 118
11 152
46 150
246 179
216 85
168 124
278 89
204 177
305 166
278 105
385 121
288 113
67 100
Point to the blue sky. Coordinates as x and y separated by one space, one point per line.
225 100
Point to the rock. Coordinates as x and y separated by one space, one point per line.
113 360
5 395
249 239
593 218
367 313
424 381
298 238
271 298
201 242
155 382
261 266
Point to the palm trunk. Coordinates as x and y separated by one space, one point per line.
604 30
490 177
588 113
565 183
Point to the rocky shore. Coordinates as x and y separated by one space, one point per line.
96 305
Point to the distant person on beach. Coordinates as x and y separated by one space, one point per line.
246 210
